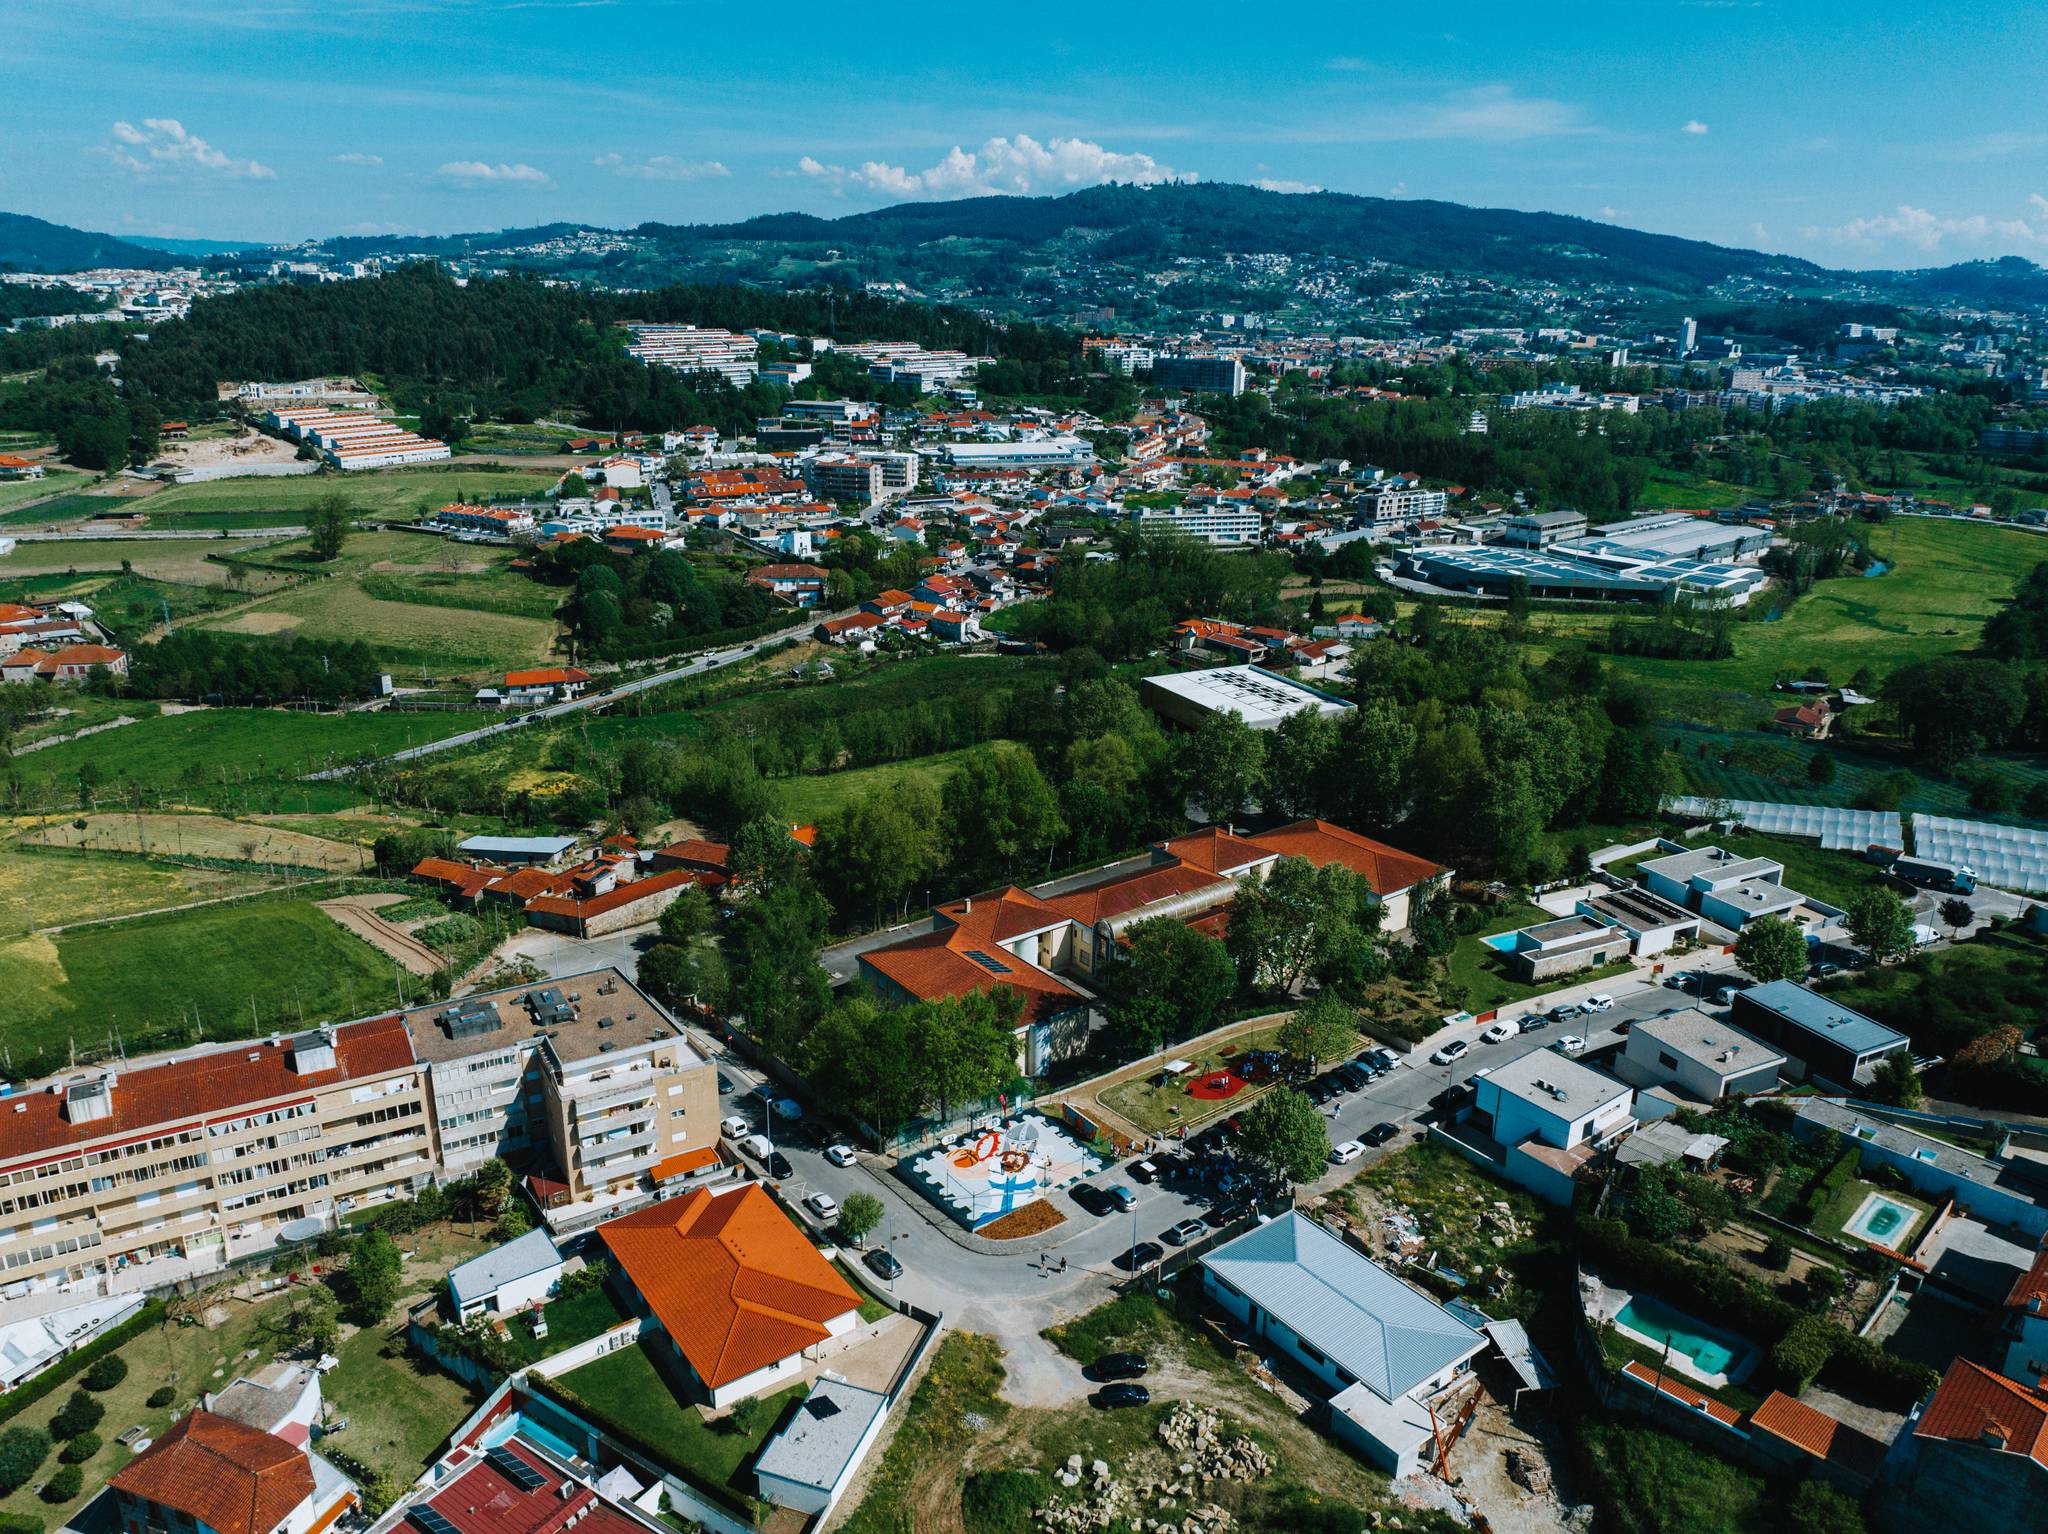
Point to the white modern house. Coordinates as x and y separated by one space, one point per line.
1724 888
1386 1352
506 1279
1544 1116
810 1463
1700 1057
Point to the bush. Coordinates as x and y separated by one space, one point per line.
20 1523
22 1452
78 1415
24 1396
106 1372
1803 1352
1003 1501
1777 1253
1863 1366
162 1396
64 1485
81 1449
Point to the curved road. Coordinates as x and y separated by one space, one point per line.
710 660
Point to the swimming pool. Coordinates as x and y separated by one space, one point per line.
1710 1352
1503 942
1882 1220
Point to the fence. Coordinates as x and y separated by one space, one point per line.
1181 1258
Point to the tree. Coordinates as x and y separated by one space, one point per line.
872 852
514 1221
745 1417
65 1484
688 916
1820 768
1956 707
1224 765
374 1270
1168 981
1898 1082
1318 1033
1815 1507
777 983
1771 948
22 1452
80 1413
490 1185
1286 925
1880 923
312 1322
106 1372
764 854
81 1448
968 1046
678 976
328 522
859 1061
999 812
859 1216
1284 1134
1956 914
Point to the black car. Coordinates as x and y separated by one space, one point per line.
779 1167
1223 1216
1536 1020
1143 1255
725 1087
1143 1171
1091 1198
883 1264
1110 1397
1119 1366
1354 1076
1379 1134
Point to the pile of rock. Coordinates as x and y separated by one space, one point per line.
1112 1502
1196 1432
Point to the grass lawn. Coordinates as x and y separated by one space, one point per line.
626 1387
400 1410
1829 1219
1162 1109
272 964
1620 1350
1484 975
402 633
393 493
15 492
810 799
1834 877
52 889
570 1321
871 1309
183 560
1689 492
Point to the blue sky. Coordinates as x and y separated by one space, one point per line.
1873 134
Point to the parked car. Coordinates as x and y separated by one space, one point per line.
883 1264
1120 1196
1354 1076
1728 993
1564 1012
1825 968
823 1205
1684 980
1091 1198
1599 1001
725 1087
1384 1058
1451 1053
1143 1255
1379 1134
1345 1154
738 1127
1184 1231
1119 1366
1536 1020
1501 1031
779 1167
757 1146
839 1155
1223 1216
1110 1397
1570 1044
1144 1171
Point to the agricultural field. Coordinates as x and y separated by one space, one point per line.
16 494
523 437
809 799
76 710
199 836
183 560
404 634
273 963
52 889
385 493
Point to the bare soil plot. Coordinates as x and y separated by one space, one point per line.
206 836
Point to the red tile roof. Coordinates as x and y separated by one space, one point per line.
693 851
1973 1405
684 1161
1818 1434
2030 1289
731 1280
1386 870
148 1097
549 676
618 895
1148 886
1216 849
1678 1390
482 1499
233 1478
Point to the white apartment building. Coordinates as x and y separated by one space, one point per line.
1222 526
1392 505
695 349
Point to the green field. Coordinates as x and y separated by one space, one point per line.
808 800
14 493
50 889
402 493
1690 492
183 559
271 964
403 634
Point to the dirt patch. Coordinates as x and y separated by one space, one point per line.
1510 1474
245 448
260 623
1034 1219
208 836
393 940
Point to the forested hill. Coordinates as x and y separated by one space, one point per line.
32 245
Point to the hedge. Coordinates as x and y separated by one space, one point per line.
21 1397
1706 1289
1862 1365
1831 1181
1803 1352
20 1523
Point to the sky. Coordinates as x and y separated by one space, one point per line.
1869 134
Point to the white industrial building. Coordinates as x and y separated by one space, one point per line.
1261 698
1221 526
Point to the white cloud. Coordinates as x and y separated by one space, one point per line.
1490 113
355 159
1398 189
1923 230
1276 184
1020 166
1695 127
662 167
162 146
481 173
1609 213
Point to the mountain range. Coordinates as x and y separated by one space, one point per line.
1149 225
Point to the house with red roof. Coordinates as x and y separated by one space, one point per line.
1980 1448
210 1474
544 684
2025 1324
72 664
738 1291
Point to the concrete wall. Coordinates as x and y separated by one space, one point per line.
1537 965
1988 1489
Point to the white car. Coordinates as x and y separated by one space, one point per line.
823 1205
1345 1154
736 1127
839 1155
1454 1051
1600 1003
1570 1044
1501 1032
757 1146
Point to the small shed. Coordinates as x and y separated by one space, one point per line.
507 1279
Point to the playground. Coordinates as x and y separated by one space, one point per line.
1213 1076
998 1168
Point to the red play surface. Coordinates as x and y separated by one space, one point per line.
1216 1086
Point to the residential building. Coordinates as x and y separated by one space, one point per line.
138 1174
2025 1324
1653 924
1823 1040
695 349
1394 504
737 1289
1223 525
281 1398
1261 698
13 467
1801 1440
534 688
1728 890
1979 1449
1700 1057
844 478
1198 374
496 524
506 1279
30 1344
1387 1353
2010 1189
524 851
809 1464
1543 1118
209 1474
799 585
519 1482
72 665
1560 947
354 439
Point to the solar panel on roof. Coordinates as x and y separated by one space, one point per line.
987 963
432 1521
515 1469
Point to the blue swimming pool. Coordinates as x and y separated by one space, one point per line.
1710 1351
1503 942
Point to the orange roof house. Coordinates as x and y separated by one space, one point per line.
737 1289
1974 1406
233 1478
1818 1435
1387 871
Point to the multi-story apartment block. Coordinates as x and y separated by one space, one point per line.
1225 526
1393 504
137 1175
1199 374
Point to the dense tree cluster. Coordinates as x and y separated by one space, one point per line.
200 666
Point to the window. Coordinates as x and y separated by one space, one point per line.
1667 1060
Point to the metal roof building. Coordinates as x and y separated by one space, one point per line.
1259 697
1837 830
1826 1039
1601 576
516 849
